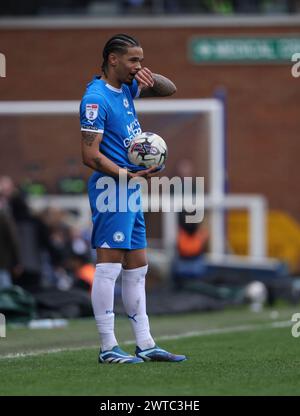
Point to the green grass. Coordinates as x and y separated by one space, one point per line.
258 361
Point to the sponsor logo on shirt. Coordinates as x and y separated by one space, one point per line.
133 129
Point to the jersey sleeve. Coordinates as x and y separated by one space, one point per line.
134 89
93 113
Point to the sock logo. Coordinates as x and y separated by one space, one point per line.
133 317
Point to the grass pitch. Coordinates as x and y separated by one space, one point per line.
229 353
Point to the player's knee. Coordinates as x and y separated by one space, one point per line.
137 274
108 271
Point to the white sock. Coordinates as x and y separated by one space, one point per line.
103 289
134 300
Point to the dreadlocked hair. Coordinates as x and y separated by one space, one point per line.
118 43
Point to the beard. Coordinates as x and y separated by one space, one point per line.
129 79
128 82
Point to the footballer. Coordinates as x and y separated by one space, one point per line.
108 124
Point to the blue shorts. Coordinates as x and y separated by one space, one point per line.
124 230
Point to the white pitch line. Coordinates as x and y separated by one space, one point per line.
204 332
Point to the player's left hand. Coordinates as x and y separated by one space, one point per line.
155 171
144 78
145 173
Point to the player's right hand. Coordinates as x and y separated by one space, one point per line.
144 78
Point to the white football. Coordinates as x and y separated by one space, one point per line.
256 291
148 149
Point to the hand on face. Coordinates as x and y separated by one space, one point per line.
144 78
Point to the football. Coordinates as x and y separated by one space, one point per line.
148 149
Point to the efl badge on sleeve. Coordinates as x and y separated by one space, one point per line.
91 111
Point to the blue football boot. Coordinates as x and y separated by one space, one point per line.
158 354
117 356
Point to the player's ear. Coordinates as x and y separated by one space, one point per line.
113 59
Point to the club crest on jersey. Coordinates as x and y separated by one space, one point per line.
126 103
91 111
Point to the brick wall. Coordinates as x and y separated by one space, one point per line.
263 103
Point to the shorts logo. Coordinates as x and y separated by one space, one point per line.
91 111
126 103
118 237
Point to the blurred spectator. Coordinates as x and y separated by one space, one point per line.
83 270
79 245
67 248
192 239
31 234
59 239
57 249
191 245
47 252
80 262
7 190
9 250
9 244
